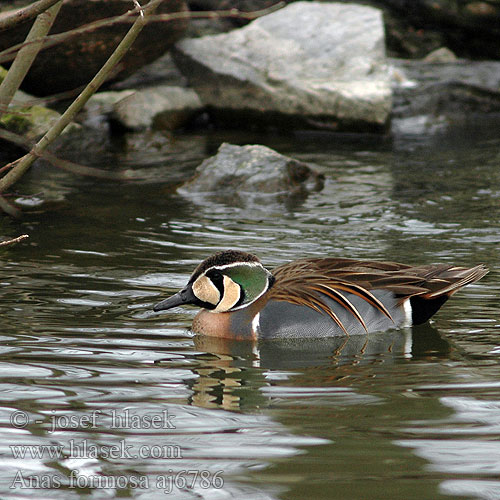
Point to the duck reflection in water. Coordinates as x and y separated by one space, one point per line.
236 371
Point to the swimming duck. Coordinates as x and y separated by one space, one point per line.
314 297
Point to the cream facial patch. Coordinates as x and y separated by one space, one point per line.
206 291
232 293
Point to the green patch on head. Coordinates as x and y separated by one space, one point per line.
253 279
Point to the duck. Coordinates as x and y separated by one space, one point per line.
314 297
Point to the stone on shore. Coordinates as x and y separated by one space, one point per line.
163 107
244 172
309 65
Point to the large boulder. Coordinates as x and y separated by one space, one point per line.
310 64
244 173
75 61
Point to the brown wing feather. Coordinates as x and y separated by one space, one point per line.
303 282
300 293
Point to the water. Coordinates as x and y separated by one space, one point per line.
116 401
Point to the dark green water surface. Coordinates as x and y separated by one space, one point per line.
102 398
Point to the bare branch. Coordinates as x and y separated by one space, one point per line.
51 40
26 55
13 241
10 20
77 169
67 165
26 161
215 14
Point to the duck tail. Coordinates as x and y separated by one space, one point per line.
443 284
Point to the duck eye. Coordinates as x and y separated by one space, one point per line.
215 276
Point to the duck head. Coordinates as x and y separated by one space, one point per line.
226 281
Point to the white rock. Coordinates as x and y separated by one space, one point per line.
321 63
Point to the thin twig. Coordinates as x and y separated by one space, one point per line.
67 165
138 6
87 171
13 241
8 165
51 40
44 101
12 19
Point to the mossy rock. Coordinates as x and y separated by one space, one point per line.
29 121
